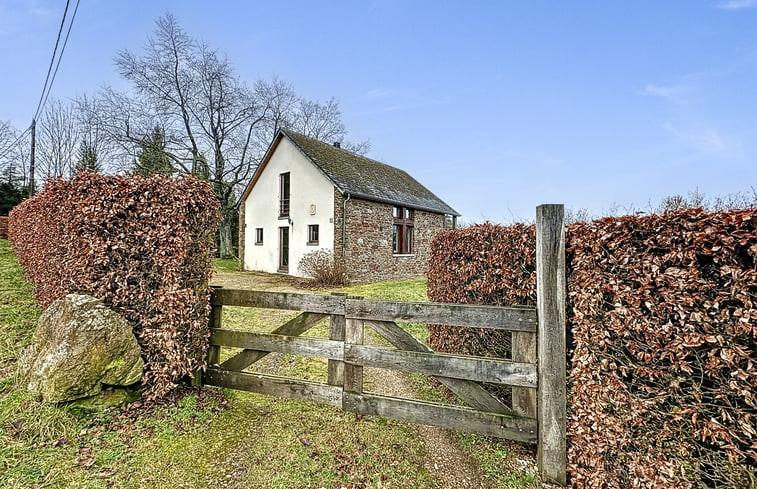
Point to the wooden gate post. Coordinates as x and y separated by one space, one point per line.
550 304
214 352
216 313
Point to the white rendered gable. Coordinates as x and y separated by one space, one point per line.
311 203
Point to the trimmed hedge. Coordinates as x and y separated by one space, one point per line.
482 264
3 227
142 245
663 321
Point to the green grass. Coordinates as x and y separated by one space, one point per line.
412 290
499 460
211 438
18 311
226 264
204 439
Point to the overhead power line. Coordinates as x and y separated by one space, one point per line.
48 86
52 61
60 56
10 147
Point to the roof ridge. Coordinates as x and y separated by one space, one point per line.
352 173
346 151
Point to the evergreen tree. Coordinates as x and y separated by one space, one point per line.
152 156
86 158
11 175
10 196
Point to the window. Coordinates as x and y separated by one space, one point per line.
284 195
313 234
258 236
402 239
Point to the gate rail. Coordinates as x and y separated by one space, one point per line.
533 418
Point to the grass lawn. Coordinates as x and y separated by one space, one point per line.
226 264
203 440
209 438
507 465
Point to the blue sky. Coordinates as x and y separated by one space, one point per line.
495 106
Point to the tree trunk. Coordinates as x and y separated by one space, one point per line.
225 244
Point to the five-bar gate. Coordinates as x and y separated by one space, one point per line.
536 370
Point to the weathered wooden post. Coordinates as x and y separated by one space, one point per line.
550 307
336 333
216 313
523 346
353 374
214 321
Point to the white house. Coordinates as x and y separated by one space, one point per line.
308 195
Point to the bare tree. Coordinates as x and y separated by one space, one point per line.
319 121
7 138
121 123
695 198
214 126
322 121
230 118
165 77
92 134
738 200
57 141
14 154
573 215
281 103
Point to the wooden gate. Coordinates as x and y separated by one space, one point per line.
533 418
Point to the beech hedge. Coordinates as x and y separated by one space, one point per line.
142 245
662 325
3 227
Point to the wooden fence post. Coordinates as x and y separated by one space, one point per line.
523 346
216 315
353 374
336 333
213 351
550 300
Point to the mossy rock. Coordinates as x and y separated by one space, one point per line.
79 346
109 397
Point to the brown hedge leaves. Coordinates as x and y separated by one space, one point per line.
142 245
663 319
482 264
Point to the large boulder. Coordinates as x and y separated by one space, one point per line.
79 346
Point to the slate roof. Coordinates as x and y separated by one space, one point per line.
368 179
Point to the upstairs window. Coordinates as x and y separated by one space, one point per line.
402 239
313 234
284 195
258 236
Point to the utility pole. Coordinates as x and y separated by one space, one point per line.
31 164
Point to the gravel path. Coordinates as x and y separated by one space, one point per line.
448 465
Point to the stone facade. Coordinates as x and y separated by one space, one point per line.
366 243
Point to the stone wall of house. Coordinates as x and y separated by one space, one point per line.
367 248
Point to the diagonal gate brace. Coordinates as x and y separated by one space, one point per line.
293 327
470 392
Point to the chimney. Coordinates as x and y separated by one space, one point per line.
337 144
